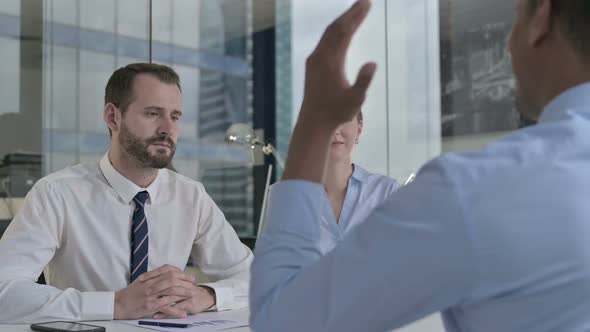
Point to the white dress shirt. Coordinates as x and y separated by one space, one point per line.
497 240
75 226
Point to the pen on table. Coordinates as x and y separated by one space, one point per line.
162 324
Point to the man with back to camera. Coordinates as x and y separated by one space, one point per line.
114 236
497 240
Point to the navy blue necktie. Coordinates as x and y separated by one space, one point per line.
139 237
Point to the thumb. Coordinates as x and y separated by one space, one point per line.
358 91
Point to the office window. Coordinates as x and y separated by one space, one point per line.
65 62
479 99
402 111
10 54
444 81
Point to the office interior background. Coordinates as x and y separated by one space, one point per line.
444 83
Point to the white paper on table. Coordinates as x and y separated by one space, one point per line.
203 322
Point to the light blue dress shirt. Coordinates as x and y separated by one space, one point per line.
365 191
497 240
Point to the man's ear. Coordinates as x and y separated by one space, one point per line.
112 116
540 22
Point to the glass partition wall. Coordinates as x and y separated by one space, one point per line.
443 83
58 55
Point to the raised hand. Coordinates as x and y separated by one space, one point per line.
329 99
328 96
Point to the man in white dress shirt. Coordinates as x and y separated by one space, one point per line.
114 236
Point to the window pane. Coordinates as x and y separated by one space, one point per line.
205 42
63 11
98 15
10 74
95 70
21 85
11 7
84 42
133 18
63 89
80 43
162 21
478 87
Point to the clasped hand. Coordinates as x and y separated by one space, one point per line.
166 292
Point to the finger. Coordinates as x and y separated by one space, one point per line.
163 301
170 277
157 272
182 291
191 307
180 275
155 303
339 33
358 92
170 312
160 284
356 14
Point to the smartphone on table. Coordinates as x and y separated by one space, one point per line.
62 326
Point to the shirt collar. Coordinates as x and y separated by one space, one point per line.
577 98
359 173
123 186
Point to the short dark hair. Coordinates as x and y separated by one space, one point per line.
574 19
119 89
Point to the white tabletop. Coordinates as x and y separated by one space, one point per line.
111 326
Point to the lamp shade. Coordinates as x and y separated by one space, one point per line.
241 133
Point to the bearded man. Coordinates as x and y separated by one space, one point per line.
113 237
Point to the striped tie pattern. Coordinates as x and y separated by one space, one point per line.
139 237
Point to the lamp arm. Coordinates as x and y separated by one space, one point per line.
269 149
264 202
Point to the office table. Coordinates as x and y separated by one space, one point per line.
429 324
111 326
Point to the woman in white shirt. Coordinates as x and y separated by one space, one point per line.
352 191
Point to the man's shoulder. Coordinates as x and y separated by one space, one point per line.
520 152
75 174
184 182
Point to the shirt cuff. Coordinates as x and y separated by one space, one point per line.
98 305
224 298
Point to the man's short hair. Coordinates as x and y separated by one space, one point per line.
574 19
119 89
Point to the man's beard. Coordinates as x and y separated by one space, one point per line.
138 148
